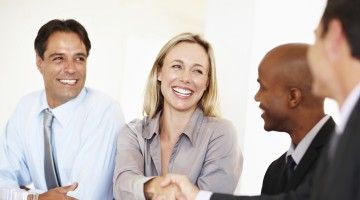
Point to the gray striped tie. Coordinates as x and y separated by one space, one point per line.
51 178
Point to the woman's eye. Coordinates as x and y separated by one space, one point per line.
198 71
176 66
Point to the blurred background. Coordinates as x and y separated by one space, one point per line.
126 36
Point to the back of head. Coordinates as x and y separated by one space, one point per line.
294 71
57 25
348 13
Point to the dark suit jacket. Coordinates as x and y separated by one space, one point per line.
275 177
339 177
335 178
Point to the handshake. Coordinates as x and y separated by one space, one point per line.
170 187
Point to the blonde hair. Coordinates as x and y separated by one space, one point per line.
154 100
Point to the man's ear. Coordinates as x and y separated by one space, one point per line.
39 62
333 39
294 97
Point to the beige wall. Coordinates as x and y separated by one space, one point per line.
126 36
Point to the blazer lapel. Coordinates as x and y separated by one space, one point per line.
312 154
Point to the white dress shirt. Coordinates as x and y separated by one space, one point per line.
298 152
347 108
84 138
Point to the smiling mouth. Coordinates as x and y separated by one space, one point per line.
182 92
68 81
262 111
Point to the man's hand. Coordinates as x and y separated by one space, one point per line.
188 190
153 190
59 193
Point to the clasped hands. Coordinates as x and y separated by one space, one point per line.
59 193
170 187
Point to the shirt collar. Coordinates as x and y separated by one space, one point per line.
61 113
298 152
152 127
191 128
43 102
347 108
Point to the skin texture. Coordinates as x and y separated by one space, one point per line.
188 190
184 78
285 94
64 59
185 67
285 98
57 193
335 70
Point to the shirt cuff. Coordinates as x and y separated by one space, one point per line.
139 187
33 192
13 193
203 195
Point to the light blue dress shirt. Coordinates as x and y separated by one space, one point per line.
84 140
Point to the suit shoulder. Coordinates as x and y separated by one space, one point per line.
274 165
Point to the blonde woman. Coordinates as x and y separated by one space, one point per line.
181 132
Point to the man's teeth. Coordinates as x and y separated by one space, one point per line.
182 91
68 81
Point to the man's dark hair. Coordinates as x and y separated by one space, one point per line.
57 25
348 13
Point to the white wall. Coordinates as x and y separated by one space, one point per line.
274 22
126 35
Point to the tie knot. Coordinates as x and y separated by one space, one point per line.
290 162
290 167
48 118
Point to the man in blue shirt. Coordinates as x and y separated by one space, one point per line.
61 139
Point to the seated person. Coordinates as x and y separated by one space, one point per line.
181 132
65 133
289 106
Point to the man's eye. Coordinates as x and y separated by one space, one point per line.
80 59
58 59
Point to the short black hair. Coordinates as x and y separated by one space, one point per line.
348 13
58 25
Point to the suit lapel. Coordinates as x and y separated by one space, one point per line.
281 183
308 161
339 175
